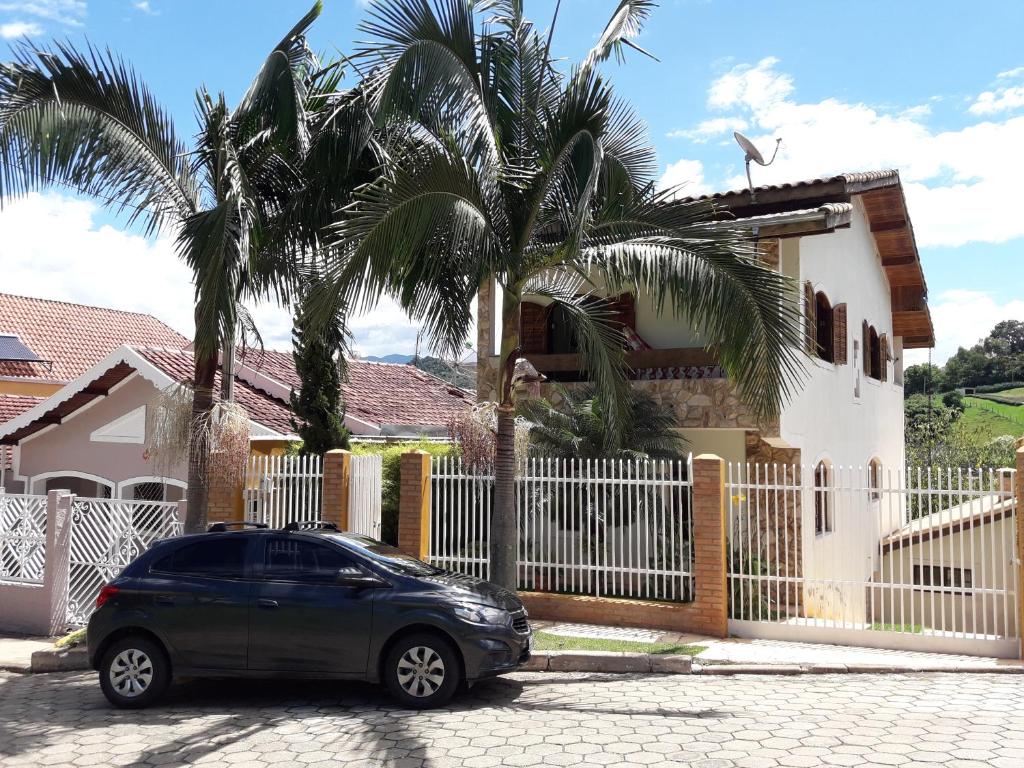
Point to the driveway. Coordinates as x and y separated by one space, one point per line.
959 721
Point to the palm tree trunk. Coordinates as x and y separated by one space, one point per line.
504 531
199 445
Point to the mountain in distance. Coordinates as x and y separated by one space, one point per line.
393 358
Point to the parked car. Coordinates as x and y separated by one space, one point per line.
299 602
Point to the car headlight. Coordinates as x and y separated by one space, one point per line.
481 614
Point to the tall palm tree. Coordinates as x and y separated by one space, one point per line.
245 201
508 167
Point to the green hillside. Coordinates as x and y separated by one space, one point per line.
989 420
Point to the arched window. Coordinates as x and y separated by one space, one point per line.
875 478
824 331
875 354
822 498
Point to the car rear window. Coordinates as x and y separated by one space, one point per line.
222 557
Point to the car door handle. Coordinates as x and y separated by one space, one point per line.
265 603
163 600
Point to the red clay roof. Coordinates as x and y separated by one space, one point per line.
74 336
380 393
15 405
262 408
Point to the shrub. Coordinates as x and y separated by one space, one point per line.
391 476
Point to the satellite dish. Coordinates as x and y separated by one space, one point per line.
750 152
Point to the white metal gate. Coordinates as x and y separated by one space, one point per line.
106 535
22 537
280 489
916 559
364 494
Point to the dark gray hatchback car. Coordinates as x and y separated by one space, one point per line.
299 602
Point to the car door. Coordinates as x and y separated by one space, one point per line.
199 600
300 618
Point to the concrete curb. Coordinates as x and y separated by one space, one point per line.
624 663
72 659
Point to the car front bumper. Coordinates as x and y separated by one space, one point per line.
496 650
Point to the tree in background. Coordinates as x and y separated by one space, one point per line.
508 166
922 379
319 411
578 427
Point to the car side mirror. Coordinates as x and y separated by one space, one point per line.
358 579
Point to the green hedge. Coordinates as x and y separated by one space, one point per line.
391 476
984 388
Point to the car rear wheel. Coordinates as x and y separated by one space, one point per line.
422 671
134 672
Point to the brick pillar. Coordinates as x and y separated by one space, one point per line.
224 503
414 504
1020 543
337 474
711 603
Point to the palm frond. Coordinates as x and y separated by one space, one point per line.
83 119
623 27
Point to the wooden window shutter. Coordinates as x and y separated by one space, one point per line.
810 320
622 310
883 346
533 328
839 340
865 347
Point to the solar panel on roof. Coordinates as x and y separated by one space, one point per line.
11 348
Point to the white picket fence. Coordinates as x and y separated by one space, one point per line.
920 559
364 495
22 537
280 489
595 527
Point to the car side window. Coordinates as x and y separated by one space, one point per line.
291 559
222 557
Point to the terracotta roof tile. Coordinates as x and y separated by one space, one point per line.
74 336
15 405
381 393
262 408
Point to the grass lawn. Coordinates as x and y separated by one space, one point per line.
992 420
912 628
1016 393
544 641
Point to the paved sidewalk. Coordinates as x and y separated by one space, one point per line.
778 652
61 720
16 651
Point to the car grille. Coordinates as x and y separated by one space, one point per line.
520 624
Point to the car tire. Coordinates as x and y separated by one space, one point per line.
422 671
134 672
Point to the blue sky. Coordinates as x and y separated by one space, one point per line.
923 86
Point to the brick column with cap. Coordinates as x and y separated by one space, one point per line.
337 474
711 603
414 504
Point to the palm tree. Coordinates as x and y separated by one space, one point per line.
506 167
246 201
578 427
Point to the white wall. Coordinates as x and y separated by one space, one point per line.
826 420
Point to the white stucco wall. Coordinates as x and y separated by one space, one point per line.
826 420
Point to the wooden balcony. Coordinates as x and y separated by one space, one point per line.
568 367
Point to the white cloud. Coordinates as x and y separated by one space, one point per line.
959 185
686 174
15 29
709 129
1000 100
52 247
145 7
69 12
961 319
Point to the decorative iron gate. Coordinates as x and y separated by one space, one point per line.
106 535
22 538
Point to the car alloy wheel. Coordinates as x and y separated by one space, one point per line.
420 671
131 673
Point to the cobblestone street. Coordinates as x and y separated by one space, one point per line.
960 721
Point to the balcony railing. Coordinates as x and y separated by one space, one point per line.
569 367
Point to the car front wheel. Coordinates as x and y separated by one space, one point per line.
422 671
134 672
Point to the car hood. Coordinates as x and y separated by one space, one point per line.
474 590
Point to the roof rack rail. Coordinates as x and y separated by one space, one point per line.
223 526
309 525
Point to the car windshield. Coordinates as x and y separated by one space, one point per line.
390 556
